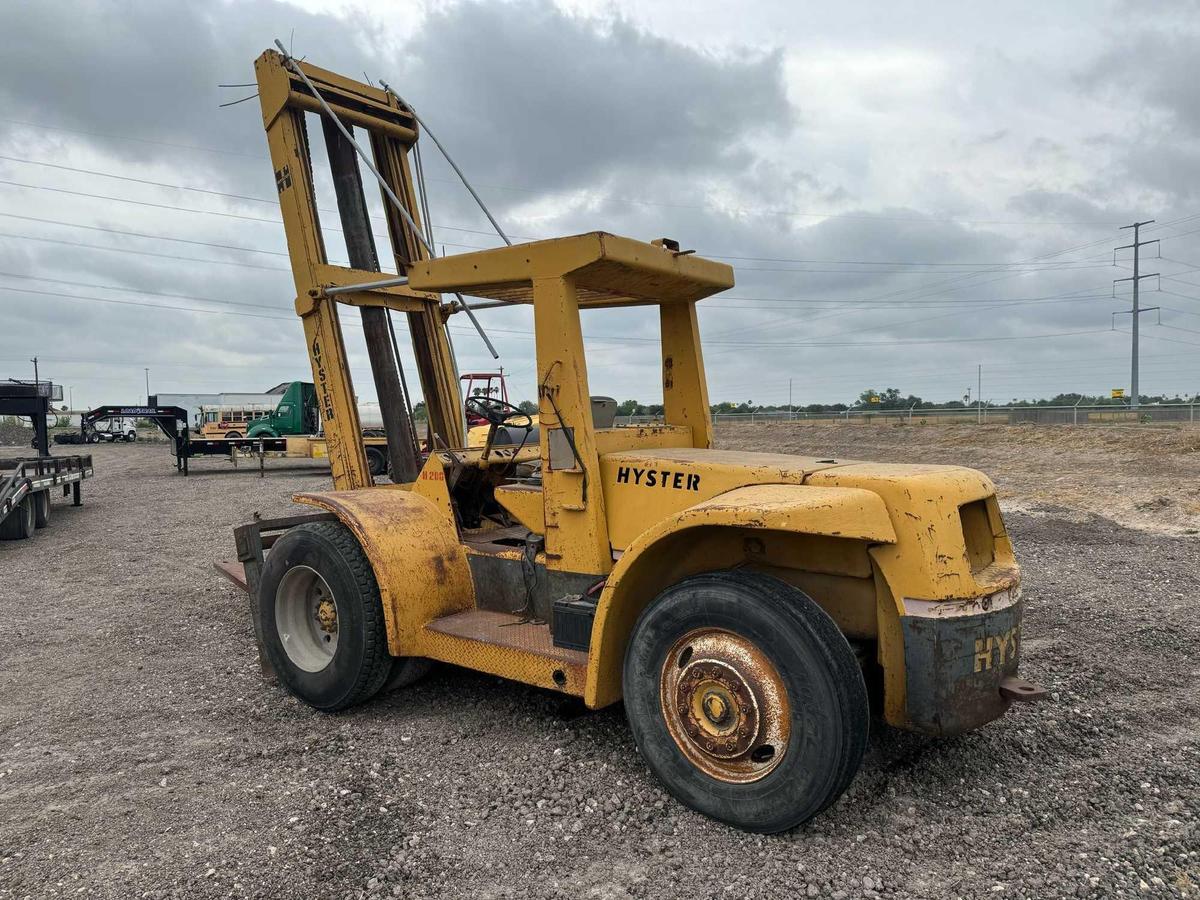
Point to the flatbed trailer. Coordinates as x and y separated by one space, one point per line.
189 446
25 486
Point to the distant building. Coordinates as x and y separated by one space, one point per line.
193 402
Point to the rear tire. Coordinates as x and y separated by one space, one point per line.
232 434
19 524
41 509
806 731
322 618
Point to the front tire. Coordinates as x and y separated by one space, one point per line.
746 700
322 618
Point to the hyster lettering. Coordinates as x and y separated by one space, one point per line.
677 481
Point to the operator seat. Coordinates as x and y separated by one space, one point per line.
604 415
523 500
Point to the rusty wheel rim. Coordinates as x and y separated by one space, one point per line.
725 705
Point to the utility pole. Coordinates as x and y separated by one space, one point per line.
1136 311
789 399
147 371
979 395
36 382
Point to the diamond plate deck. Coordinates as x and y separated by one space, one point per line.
494 642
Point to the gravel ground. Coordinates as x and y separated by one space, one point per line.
141 755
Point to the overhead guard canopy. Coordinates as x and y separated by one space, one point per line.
607 270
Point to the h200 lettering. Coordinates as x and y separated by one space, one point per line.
678 481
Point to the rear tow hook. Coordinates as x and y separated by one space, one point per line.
1022 691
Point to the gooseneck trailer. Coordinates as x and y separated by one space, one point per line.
26 483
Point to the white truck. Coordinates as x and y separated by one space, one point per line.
113 430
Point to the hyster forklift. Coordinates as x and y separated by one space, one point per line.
743 605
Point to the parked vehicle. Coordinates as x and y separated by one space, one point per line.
112 430
295 414
228 421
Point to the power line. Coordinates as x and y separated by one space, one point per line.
155 237
898 266
114 287
633 200
217 262
796 344
140 234
220 312
125 137
257 250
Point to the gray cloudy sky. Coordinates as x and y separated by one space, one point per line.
905 190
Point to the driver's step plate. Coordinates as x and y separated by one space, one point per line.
506 645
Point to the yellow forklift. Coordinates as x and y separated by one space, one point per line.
743 605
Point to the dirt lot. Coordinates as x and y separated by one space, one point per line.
141 755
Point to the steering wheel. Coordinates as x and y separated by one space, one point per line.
498 412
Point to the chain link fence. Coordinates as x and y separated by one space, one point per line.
986 415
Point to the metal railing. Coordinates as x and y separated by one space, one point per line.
985 415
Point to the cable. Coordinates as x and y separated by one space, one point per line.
220 312
125 137
113 287
159 237
139 234
634 200
910 267
219 262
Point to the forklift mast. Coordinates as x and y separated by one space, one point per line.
285 98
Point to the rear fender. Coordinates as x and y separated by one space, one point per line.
672 550
414 551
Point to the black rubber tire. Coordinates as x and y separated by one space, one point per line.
93 438
377 461
232 434
361 664
829 727
131 437
19 524
41 509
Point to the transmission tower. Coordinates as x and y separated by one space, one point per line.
1136 311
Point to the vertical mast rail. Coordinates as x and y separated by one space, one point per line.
387 189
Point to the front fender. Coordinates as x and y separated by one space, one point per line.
414 551
264 431
850 513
